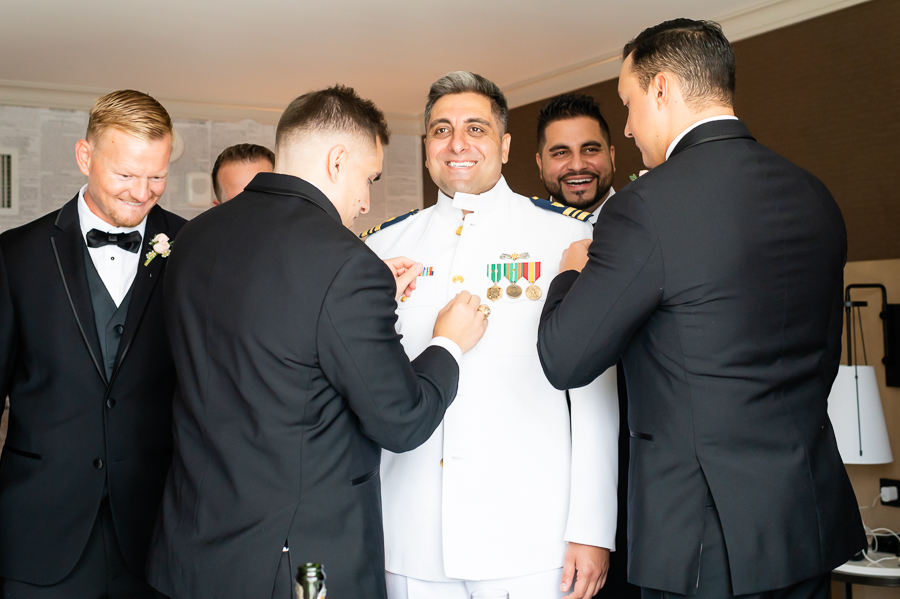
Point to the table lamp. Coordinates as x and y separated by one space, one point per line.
854 404
854 407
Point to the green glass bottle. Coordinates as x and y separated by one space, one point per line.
310 582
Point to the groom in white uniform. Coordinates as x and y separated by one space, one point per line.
509 492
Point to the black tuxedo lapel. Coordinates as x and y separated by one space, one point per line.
68 246
144 282
710 132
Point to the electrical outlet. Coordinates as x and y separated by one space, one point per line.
887 482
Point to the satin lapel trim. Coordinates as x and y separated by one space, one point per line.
288 185
714 131
715 138
142 288
69 252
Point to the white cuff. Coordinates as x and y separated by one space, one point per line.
450 346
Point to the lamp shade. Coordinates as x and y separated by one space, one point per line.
854 407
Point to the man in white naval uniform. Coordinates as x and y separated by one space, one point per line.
509 492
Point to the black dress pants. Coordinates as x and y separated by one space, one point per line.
101 572
715 576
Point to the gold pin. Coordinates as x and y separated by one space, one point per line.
457 279
459 230
403 298
485 309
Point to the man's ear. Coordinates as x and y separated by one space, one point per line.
661 88
337 162
612 157
537 158
83 155
504 147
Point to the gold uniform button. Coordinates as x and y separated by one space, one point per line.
403 298
459 230
457 279
442 463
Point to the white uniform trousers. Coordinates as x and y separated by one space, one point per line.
543 585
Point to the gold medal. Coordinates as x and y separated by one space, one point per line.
513 272
494 272
532 273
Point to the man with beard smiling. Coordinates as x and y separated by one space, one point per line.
575 158
508 492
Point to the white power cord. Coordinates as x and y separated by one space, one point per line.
872 533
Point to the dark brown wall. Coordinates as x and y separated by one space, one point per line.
825 93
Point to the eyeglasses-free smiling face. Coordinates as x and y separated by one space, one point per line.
465 147
577 163
126 175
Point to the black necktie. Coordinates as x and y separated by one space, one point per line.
130 242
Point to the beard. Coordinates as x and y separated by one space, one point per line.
581 200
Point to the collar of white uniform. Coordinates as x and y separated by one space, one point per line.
480 203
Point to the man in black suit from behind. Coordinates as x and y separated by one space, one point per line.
87 368
291 375
717 277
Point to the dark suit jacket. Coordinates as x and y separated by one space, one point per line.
718 279
70 428
291 380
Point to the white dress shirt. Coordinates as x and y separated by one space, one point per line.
593 217
116 267
723 117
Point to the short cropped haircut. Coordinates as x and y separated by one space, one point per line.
697 52
462 82
131 112
337 109
569 106
240 153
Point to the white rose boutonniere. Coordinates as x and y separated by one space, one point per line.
640 174
159 246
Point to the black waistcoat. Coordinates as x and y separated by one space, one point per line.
110 320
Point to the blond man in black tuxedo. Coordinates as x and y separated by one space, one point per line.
85 363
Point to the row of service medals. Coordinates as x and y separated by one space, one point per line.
513 271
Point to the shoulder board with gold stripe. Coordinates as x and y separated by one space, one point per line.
561 208
387 223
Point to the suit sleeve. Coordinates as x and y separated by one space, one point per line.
7 333
595 463
588 318
399 404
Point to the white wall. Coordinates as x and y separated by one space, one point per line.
48 175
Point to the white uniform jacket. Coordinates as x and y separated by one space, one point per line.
502 484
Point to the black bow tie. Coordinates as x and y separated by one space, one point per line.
130 242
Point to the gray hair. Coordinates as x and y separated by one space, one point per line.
461 82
